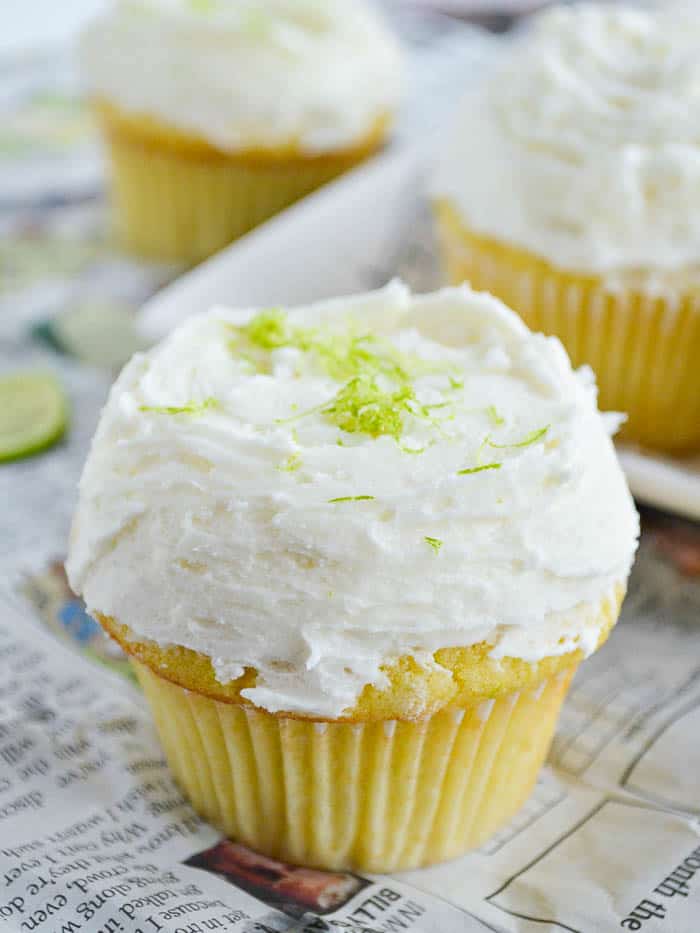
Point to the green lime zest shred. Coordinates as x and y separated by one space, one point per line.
479 469
435 543
525 442
298 415
341 356
482 447
377 394
191 408
291 464
351 499
456 383
269 329
362 405
496 419
435 405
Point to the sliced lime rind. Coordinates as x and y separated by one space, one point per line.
33 414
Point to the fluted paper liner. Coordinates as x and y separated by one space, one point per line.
644 346
182 202
371 796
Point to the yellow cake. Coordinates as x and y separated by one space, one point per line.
217 116
570 191
356 553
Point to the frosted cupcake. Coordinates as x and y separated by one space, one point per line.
219 113
571 189
356 552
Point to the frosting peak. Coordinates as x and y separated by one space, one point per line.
316 492
583 145
246 74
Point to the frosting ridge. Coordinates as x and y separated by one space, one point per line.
247 74
242 500
582 145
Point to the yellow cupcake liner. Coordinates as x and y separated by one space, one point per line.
180 200
370 796
643 346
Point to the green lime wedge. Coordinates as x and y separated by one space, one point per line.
33 414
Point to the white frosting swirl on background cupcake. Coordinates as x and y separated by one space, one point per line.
247 73
285 492
584 144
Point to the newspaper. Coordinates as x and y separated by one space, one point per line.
95 835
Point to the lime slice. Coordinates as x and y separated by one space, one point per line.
33 414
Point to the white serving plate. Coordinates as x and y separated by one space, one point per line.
354 235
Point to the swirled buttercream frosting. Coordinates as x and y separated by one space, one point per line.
246 74
315 492
582 144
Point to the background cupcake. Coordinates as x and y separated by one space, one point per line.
218 114
571 189
356 552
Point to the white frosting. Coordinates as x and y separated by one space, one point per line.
582 145
244 73
191 531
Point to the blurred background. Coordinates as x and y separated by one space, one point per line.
37 22
62 277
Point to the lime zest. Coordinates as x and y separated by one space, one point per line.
377 392
435 405
479 469
298 415
291 464
268 329
341 356
435 543
525 442
482 446
351 499
412 450
191 408
345 356
456 383
33 413
496 419
362 406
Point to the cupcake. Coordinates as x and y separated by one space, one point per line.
219 113
356 552
571 190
